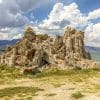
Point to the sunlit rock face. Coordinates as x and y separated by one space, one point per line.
74 43
39 50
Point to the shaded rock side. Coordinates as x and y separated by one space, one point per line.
38 50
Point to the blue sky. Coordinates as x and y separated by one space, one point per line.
88 5
84 5
50 16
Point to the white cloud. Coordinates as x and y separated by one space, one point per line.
92 31
10 33
92 34
62 15
0 1
13 19
12 16
3 36
93 44
18 36
94 14
12 13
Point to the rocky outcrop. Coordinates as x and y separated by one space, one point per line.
74 42
40 50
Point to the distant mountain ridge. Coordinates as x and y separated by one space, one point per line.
92 49
5 43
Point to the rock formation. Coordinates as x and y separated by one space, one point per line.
38 50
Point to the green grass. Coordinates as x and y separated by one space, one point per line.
28 98
56 85
55 77
51 94
10 72
93 88
77 95
18 91
73 74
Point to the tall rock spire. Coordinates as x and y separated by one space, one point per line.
29 33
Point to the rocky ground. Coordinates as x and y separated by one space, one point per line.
50 85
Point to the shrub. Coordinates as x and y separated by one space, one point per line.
11 91
77 95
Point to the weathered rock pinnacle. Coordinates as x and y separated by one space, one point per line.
38 50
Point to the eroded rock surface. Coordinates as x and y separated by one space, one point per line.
38 50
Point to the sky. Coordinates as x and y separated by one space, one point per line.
50 16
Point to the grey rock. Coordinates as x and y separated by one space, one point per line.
41 50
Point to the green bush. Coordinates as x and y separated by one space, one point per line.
77 95
18 90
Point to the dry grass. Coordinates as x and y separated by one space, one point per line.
48 84
51 94
11 91
77 95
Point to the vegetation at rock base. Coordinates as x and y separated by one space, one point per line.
48 83
77 95
52 94
11 91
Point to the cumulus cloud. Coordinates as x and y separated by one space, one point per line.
10 36
10 33
92 34
12 15
93 31
18 36
13 19
3 36
94 14
12 12
0 1
62 15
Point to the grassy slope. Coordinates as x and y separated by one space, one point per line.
72 84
